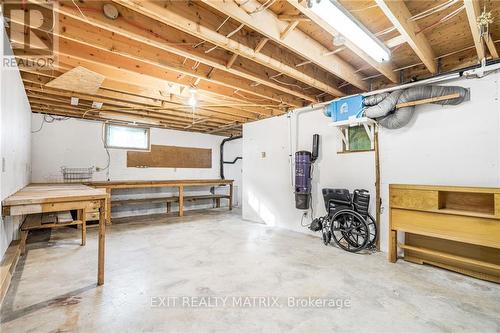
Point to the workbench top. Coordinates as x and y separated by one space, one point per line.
49 193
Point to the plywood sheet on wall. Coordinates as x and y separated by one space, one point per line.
170 157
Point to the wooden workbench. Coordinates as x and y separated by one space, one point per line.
456 228
180 184
45 198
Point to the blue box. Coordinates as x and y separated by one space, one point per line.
345 108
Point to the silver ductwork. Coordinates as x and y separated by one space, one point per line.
382 107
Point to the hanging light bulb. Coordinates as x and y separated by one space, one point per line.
192 101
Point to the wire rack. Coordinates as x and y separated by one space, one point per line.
77 174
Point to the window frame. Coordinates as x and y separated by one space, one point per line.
106 131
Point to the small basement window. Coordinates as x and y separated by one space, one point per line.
125 137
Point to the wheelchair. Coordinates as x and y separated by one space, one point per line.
348 222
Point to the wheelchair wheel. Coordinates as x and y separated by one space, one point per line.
349 230
372 227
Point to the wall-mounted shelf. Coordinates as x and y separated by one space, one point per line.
344 125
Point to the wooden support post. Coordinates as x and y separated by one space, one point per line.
169 206
378 200
22 244
217 202
393 245
231 196
82 216
181 200
108 205
102 235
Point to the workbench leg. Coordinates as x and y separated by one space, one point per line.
83 218
22 244
102 235
181 200
217 202
393 245
108 206
230 196
169 207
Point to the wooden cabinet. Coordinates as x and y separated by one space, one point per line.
456 228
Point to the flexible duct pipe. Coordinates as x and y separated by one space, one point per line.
389 117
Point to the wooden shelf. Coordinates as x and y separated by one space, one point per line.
344 125
448 256
465 213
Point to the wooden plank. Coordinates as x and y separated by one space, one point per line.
78 79
427 100
261 44
181 200
171 157
445 188
49 193
7 267
289 28
473 11
491 47
414 199
467 229
448 256
158 183
100 250
400 16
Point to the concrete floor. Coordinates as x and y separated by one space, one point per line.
216 254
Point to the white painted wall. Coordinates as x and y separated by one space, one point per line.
15 144
78 144
443 145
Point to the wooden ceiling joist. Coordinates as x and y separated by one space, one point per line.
384 68
125 29
473 11
269 25
400 17
118 91
165 16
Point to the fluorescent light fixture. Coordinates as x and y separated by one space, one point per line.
341 20
74 101
96 105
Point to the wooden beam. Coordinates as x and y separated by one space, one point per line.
396 41
427 100
473 11
261 44
163 15
287 17
223 84
384 68
231 61
268 24
125 29
491 47
399 15
30 87
289 28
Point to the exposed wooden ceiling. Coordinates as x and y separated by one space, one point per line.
246 59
